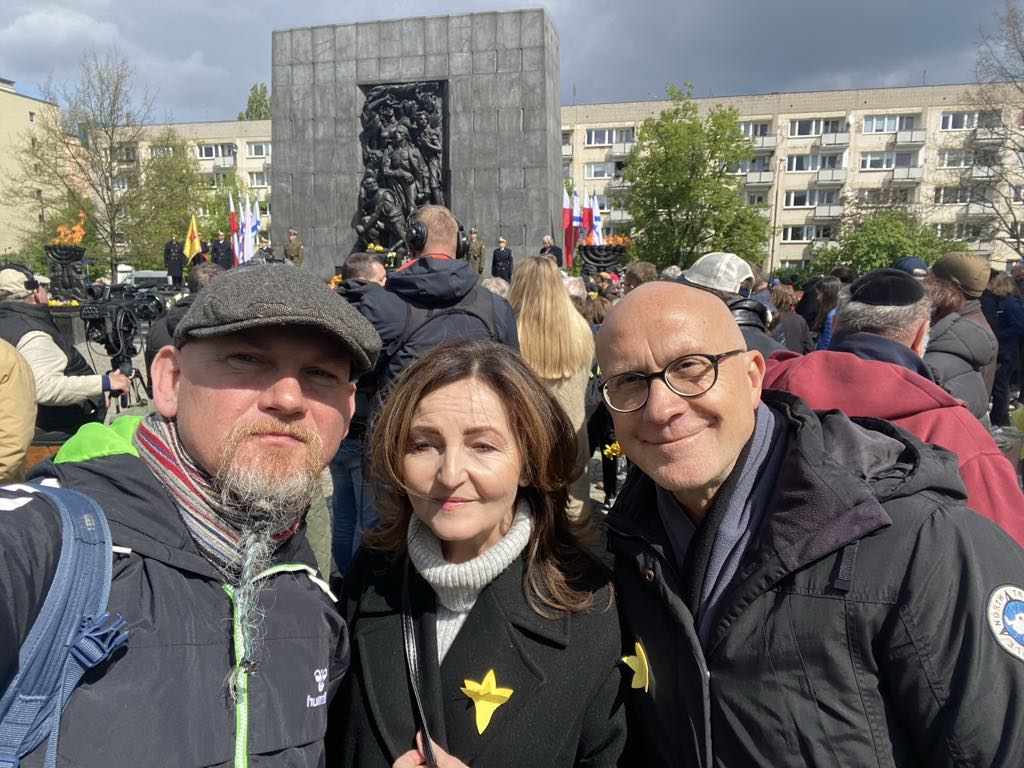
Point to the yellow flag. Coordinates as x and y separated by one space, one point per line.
193 244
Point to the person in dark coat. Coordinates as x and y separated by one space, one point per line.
221 253
501 261
551 250
1009 312
232 633
515 631
796 587
174 260
966 275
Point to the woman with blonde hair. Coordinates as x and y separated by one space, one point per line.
558 344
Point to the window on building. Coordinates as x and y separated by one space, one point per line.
566 169
624 135
824 232
257 179
160 151
964 121
125 153
206 151
599 170
1015 230
885 196
875 161
889 123
258 149
961 230
816 126
602 203
758 164
963 194
808 198
226 150
599 137
31 117
756 198
120 183
566 138
754 128
797 234
801 163
956 158
1017 191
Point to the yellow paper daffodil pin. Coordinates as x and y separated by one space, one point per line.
486 697
641 668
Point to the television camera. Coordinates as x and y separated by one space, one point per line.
114 317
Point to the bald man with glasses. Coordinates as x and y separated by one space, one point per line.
795 588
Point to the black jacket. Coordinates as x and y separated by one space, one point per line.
174 257
857 629
971 309
501 263
222 254
566 705
54 423
958 351
163 700
435 284
792 332
552 252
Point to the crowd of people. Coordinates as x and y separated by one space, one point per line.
814 559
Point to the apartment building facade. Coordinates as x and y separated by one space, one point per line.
240 147
816 154
18 113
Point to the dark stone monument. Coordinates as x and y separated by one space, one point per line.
372 120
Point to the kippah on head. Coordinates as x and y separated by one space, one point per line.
887 288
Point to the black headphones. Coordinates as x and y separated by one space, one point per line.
416 238
751 313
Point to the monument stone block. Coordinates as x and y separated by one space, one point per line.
372 120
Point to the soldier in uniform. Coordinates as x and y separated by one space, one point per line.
174 260
293 251
476 251
221 252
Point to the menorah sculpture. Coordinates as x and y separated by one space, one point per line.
67 271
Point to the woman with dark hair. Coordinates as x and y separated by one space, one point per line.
788 328
827 293
479 580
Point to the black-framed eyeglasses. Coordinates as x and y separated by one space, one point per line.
688 376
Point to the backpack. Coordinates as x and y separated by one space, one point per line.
72 633
413 343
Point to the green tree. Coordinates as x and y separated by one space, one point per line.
83 148
683 193
880 238
215 205
258 105
172 190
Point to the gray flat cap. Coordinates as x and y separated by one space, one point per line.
268 295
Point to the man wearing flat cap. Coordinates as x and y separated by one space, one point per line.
235 647
796 587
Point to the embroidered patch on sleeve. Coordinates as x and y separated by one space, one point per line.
1006 618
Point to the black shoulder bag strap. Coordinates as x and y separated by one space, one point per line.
412 662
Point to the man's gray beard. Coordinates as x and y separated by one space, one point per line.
261 504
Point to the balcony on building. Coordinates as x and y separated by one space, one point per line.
617 182
764 143
835 139
829 211
910 138
760 178
907 174
987 135
977 209
831 177
621 149
982 172
223 162
567 150
617 216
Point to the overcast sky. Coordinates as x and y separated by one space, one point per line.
201 56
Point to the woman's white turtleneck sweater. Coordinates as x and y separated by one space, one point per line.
457 585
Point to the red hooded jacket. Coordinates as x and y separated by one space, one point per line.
828 380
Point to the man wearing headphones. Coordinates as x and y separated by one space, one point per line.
435 296
69 392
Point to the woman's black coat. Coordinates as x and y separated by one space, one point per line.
565 673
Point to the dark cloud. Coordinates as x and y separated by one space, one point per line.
201 57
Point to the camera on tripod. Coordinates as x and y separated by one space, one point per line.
113 317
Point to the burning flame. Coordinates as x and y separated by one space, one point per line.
71 235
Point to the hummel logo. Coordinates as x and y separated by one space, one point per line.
320 676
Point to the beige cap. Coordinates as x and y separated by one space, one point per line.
12 284
970 271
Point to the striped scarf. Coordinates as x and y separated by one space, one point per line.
215 527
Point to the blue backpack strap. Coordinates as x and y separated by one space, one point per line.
71 634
